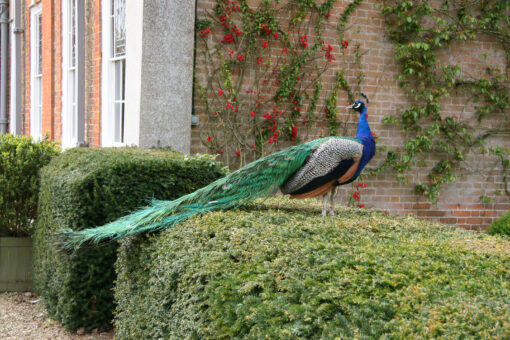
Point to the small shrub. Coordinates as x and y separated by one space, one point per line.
274 271
501 225
84 188
20 161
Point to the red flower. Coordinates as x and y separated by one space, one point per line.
253 146
327 15
356 195
229 38
266 29
236 30
204 33
275 35
304 41
264 44
293 132
240 57
209 138
361 205
260 60
215 113
238 153
220 151
345 44
252 114
285 50
328 55
220 92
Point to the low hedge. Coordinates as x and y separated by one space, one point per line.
21 159
501 225
90 187
279 270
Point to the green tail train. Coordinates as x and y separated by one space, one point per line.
260 178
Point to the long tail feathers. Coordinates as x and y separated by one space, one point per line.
260 178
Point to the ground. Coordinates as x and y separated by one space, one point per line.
22 316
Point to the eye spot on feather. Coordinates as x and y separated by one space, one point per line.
226 186
271 163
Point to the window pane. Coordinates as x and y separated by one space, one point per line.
119 100
119 28
73 107
118 80
39 44
38 89
118 122
72 33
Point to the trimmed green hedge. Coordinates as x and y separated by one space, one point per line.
279 270
21 158
501 225
90 187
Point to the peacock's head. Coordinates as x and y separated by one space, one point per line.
358 105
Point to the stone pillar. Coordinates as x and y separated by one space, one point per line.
159 76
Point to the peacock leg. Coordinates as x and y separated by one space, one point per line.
332 202
324 204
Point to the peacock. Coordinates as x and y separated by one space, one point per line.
312 169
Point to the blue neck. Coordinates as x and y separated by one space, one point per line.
363 128
365 136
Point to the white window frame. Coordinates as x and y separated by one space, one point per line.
69 77
110 123
36 86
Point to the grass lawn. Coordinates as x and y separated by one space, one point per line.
279 270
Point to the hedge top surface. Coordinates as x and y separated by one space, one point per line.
280 270
80 161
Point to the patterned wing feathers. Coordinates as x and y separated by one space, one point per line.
325 160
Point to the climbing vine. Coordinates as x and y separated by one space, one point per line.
423 32
260 75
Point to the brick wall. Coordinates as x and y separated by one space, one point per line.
93 72
26 69
459 203
48 66
57 71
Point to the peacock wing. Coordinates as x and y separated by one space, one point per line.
333 160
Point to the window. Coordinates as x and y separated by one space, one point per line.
36 72
69 74
114 69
